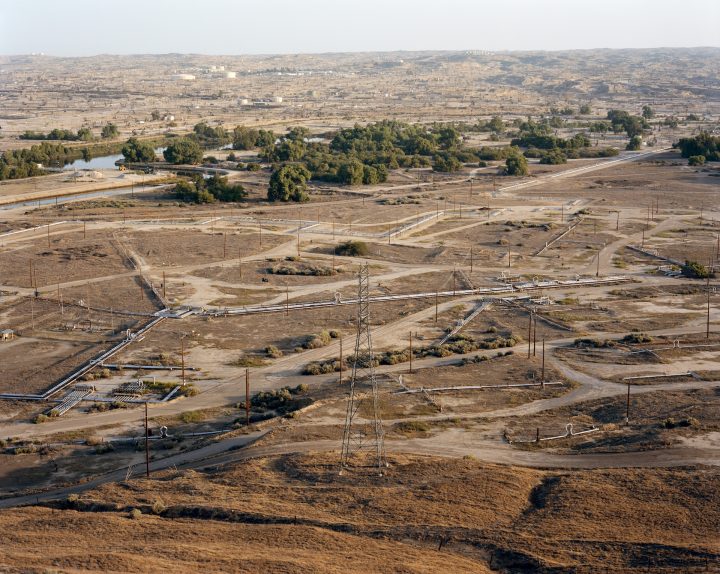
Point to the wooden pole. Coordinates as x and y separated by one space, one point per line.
597 271
530 322
164 288
707 328
509 257
147 443
411 351
287 301
247 397
436 306
542 379
471 259
85 226
627 406
617 221
534 334
182 358
260 226
341 360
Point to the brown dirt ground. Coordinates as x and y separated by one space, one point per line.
648 411
69 258
486 517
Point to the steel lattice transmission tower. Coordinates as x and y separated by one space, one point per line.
366 434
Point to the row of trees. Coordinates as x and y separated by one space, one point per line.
702 145
201 190
19 163
83 134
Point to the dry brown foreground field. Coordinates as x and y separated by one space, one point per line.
293 513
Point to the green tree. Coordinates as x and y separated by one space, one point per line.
634 144
289 183
184 151
351 173
516 165
554 157
696 160
84 134
109 131
496 124
446 162
138 151
245 138
298 134
585 110
647 112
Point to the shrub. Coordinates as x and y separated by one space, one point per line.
135 514
104 448
273 352
192 417
352 249
317 341
636 338
158 507
41 418
695 270
696 160
412 426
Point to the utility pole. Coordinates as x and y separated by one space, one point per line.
287 301
164 288
182 358
341 360
147 443
411 352
627 407
260 228
530 322
597 271
534 334
617 221
542 378
85 226
707 329
436 306
247 397
509 258
471 259
298 240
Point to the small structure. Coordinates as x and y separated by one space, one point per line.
7 335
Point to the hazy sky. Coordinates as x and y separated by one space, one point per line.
87 27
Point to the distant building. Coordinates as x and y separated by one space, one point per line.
7 335
182 77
